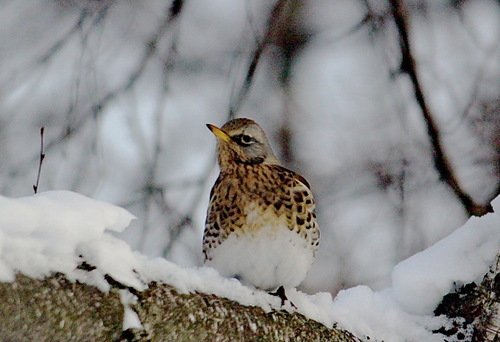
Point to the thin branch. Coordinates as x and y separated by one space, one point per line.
59 44
42 157
441 162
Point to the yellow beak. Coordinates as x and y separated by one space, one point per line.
219 133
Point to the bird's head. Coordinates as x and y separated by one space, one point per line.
242 141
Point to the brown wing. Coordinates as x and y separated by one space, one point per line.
223 214
211 234
293 174
296 201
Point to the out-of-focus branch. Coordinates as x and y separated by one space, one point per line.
16 74
284 32
151 189
187 219
276 13
441 162
172 12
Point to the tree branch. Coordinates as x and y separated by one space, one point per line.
55 309
441 162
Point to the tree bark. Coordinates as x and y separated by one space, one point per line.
55 309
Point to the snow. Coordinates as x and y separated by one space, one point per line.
47 232
130 318
462 257
58 230
377 315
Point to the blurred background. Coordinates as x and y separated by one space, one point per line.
397 159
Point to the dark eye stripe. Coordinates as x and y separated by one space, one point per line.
244 139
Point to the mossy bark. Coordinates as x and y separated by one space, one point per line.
55 309
168 315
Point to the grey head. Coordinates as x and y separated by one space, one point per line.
242 141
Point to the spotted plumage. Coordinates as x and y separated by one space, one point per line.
261 223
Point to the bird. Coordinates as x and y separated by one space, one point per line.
261 224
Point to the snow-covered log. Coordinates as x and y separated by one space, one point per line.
65 276
57 309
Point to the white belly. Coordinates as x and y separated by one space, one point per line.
266 258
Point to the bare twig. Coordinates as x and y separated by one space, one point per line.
42 157
441 162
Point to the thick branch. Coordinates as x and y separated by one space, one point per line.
55 309
441 161
202 317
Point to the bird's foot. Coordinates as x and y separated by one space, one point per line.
280 292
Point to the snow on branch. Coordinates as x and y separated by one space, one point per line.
64 276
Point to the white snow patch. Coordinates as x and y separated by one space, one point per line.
378 316
130 318
43 233
420 281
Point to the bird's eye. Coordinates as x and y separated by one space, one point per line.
243 139
246 139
